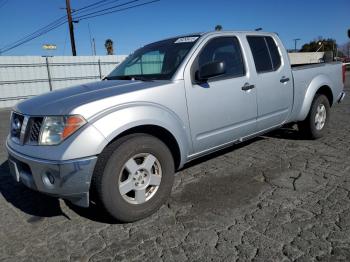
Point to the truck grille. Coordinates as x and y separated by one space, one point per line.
25 129
35 127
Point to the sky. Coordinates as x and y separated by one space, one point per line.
133 28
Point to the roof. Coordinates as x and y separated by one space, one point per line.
219 32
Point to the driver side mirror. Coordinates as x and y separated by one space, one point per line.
210 70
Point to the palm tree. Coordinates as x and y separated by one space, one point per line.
218 28
109 46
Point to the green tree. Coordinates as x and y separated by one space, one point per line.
218 27
109 46
320 45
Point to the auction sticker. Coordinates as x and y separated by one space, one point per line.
186 39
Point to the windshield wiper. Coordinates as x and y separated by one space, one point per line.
145 79
126 77
117 78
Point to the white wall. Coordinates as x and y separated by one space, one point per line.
305 57
22 77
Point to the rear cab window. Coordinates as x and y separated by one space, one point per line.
267 57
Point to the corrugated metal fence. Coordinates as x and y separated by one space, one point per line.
22 77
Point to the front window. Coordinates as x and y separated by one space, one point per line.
157 61
224 49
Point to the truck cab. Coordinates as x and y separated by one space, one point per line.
257 81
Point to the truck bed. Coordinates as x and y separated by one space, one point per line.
306 66
307 76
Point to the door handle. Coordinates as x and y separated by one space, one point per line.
247 87
284 79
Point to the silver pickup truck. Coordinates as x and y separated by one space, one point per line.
118 142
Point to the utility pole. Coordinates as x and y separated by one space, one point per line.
91 43
71 28
295 44
94 46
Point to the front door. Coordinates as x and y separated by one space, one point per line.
224 108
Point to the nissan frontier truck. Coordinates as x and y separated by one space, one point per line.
119 141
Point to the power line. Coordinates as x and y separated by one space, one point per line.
92 15
62 20
94 6
53 25
83 9
34 36
112 7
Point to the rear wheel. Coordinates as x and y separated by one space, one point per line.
316 122
134 176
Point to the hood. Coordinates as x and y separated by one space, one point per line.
63 101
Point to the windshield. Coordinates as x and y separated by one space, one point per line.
156 61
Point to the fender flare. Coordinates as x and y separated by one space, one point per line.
316 83
115 121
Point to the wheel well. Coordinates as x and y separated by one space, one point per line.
161 133
325 90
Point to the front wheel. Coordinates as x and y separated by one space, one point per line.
316 122
134 177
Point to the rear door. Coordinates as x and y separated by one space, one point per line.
223 109
274 82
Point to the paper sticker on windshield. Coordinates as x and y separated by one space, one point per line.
186 39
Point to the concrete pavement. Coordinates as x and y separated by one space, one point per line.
276 198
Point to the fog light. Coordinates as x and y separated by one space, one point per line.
48 179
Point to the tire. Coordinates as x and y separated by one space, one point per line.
133 177
315 124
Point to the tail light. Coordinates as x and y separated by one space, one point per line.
344 69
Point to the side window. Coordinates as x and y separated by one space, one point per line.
226 49
265 53
275 55
260 53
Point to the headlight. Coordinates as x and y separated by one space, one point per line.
57 128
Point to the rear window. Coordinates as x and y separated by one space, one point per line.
265 53
275 54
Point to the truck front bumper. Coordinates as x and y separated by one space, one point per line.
68 179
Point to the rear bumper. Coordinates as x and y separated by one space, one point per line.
66 179
341 97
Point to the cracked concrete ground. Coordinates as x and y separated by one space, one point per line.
276 198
